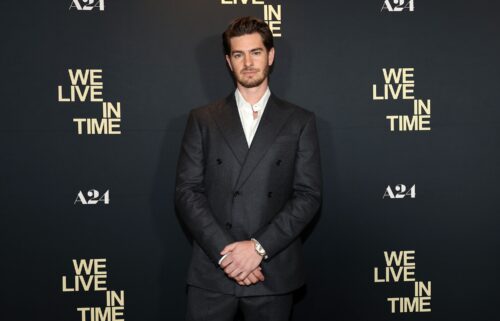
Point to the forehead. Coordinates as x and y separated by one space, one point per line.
246 42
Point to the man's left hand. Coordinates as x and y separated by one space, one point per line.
243 259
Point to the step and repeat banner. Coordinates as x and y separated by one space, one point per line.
95 96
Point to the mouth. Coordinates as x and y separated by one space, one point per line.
249 72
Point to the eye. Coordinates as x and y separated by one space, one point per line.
236 55
257 53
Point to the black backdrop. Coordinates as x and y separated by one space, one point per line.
159 59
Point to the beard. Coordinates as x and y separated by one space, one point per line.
255 81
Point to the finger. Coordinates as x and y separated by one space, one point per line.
247 282
253 278
230 269
258 274
243 275
227 260
235 274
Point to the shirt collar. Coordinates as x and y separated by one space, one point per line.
258 106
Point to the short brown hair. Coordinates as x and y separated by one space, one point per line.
245 26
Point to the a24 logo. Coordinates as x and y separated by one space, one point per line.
87 5
398 5
92 197
400 191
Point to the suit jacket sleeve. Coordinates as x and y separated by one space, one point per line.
306 196
192 204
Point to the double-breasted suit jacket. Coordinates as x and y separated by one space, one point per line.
227 192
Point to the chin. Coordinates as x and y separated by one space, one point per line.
251 84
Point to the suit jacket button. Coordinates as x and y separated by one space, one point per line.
278 162
236 193
219 161
270 194
229 225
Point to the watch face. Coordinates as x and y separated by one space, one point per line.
259 248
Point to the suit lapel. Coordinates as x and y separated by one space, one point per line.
274 117
228 121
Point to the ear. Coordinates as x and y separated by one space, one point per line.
229 62
270 57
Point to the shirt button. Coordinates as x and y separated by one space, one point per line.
229 225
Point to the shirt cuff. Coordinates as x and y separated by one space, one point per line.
222 258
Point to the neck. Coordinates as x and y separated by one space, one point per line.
254 94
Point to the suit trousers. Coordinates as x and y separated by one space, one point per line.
205 305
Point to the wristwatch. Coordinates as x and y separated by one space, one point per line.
259 249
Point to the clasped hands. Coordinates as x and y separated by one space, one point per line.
242 263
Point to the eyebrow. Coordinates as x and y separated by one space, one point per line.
251 50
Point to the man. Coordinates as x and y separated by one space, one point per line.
248 183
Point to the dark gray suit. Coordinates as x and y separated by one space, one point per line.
227 192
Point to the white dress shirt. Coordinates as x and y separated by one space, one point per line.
246 110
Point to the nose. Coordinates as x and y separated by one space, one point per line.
248 60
